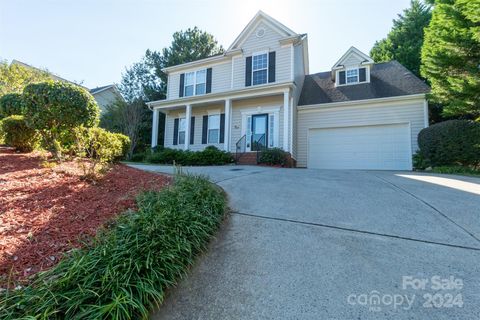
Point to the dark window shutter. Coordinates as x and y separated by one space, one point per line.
209 81
175 131
182 84
222 128
271 66
205 130
362 75
248 72
341 77
192 129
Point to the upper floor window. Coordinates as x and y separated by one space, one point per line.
260 69
195 83
352 76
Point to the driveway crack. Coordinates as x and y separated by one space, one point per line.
428 205
322 225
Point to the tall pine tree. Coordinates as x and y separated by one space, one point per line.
404 42
451 56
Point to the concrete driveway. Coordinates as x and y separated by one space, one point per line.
318 244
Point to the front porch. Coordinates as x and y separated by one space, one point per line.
236 124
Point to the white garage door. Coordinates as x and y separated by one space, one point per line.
379 147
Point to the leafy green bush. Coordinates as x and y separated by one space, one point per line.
54 108
209 156
100 146
17 134
453 142
274 156
125 271
419 161
138 157
457 170
11 104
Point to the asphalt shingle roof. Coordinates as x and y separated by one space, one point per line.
387 79
99 88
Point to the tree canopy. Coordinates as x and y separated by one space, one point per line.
451 56
15 77
145 80
404 42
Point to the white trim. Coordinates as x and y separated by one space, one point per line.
292 73
195 83
176 69
228 120
351 50
256 20
290 127
154 141
269 110
286 111
188 122
233 70
365 102
425 113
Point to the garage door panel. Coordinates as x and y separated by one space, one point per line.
380 147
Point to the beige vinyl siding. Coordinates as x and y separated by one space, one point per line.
269 42
221 77
238 106
352 60
377 113
198 113
105 98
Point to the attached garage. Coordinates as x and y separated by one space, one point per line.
377 147
379 134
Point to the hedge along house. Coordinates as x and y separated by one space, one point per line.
259 94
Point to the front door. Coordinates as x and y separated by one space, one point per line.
259 131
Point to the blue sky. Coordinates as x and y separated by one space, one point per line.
93 41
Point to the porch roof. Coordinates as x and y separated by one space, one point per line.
236 94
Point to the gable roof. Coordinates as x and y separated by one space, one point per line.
350 51
387 79
98 89
259 17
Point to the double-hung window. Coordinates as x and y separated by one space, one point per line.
195 83
200 82
352 76
189 84
181 130
260 68
214 128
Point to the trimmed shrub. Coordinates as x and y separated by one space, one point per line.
124 273
100 146
274 156
17 134
54 108
138 157
419 161
11 104
209 156
453 142
457 170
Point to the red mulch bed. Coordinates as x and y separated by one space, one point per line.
44 212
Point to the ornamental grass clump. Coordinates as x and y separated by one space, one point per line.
123 274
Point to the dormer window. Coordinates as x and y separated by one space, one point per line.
352 76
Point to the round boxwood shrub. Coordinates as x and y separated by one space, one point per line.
453 142
11 104
17 134
55 107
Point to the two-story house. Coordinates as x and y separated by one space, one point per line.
358 115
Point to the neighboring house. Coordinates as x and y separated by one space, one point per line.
104 96
358 115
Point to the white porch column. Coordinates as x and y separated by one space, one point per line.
155 128
228 112
286 119
188 121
